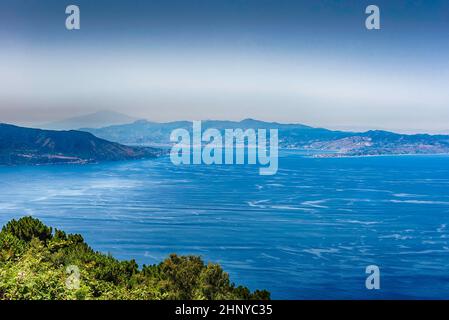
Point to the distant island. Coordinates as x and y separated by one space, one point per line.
324 142
20 145
39 263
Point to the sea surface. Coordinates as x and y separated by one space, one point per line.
307 232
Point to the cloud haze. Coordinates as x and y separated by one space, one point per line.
232 60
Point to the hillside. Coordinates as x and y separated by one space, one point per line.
20 145
37 263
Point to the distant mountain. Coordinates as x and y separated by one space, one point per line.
295 136
144 132
384 143
94 120
20 145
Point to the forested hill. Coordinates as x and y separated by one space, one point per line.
20 145
39 263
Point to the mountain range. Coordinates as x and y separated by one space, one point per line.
327 143
20 145
143 139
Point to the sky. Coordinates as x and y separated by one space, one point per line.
310 62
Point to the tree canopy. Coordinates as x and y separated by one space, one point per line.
39 263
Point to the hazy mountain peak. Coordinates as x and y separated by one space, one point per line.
250 120
97 119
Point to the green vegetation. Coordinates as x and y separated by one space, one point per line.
37 263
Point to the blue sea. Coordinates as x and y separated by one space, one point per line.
307 232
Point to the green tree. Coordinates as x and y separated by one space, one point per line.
27 228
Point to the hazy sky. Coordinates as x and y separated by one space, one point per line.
311 62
